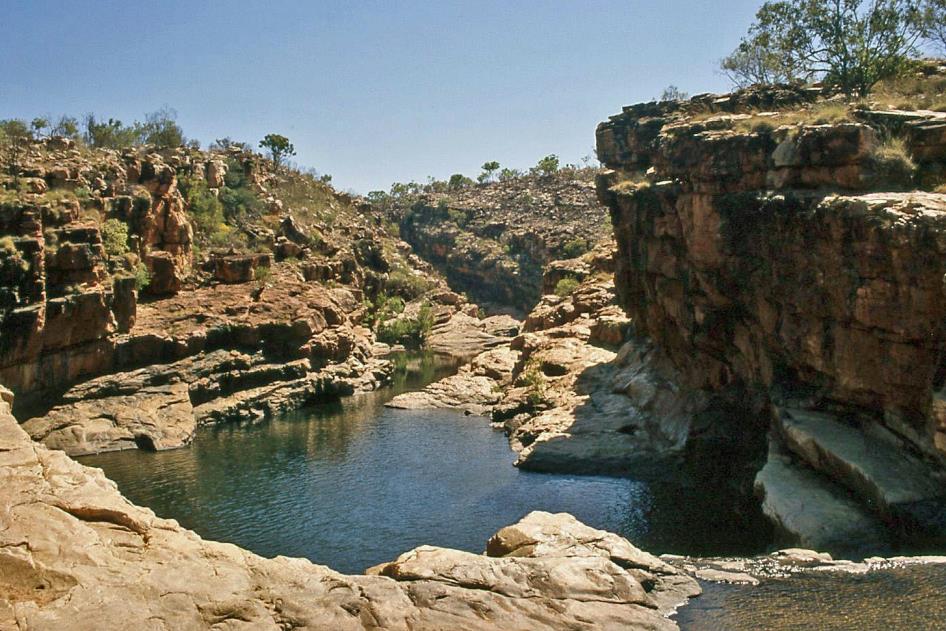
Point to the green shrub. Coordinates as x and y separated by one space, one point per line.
566 286
547 165
411 332
115 237
8 245
535 382
161 129
458 181
404 283
239 203
509 174
575 248
262 273
142 276
204 208
457 216
111 134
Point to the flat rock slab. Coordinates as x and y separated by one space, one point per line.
155 418
465 337
883 475
814 512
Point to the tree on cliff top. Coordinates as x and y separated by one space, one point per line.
489 168
934 23
14 141
279 148
848 44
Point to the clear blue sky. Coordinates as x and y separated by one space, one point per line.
370 91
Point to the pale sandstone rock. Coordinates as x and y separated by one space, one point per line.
475 389
814 512
156 417
464 336
75 554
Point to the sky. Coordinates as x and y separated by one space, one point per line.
371 92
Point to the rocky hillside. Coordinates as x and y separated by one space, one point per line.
777 245
493 241
145 292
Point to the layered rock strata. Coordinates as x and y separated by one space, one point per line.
493 241
756 257
230 352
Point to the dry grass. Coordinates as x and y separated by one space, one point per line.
824 113
630 182
911 93
893 162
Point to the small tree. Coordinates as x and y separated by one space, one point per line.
489 169
39 125
547 165
111 134
458 181
849 44
509 174
161 129
279 148
934 23
15 137
66 126
673 93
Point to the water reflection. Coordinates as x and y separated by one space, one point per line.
354 484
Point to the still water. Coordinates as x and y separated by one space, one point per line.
907 598
354 484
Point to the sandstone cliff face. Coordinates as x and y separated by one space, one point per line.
493 241
64 297
271 323
757 260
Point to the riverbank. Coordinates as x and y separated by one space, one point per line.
75 553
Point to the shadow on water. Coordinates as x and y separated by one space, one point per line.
353 484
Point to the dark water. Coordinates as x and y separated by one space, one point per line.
910 598
354 484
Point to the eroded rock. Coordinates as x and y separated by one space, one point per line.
75 554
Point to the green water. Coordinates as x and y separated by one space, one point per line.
354 484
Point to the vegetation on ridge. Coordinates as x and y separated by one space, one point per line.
850 45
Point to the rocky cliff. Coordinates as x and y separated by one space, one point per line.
494 240
62 295
764 255
145 292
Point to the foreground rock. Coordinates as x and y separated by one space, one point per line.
811 511
75 554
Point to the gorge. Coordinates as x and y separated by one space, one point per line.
751 350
